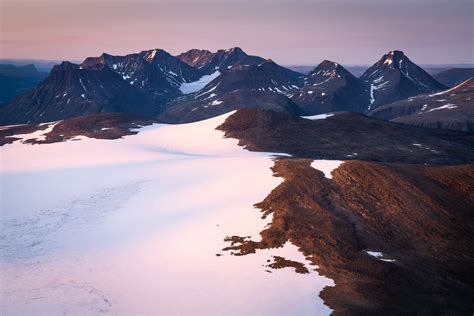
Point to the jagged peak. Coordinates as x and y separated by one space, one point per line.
235 50
327 66
151 54
197 50
231 51
105 55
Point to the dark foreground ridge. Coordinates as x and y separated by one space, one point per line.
100 126
347 136
396 236
418 217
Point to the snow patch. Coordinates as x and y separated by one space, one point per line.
448 106
190 87
318 117
216 102
326 166
379 255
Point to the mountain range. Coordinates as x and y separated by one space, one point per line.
200 84
15 80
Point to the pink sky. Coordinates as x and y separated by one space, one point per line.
288 31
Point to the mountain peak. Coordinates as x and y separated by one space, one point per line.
234 51
328 64
152 54
393 58
395 77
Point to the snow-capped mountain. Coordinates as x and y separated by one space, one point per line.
139 73
153 82
266 76
70 91
395 77
266 85
176 71
153 70
330 87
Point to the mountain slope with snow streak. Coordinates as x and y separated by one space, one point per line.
395 77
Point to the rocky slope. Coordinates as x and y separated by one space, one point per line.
395 77
265 86
71 91
449 109
348 136
360 228
190 109
99 126
394 235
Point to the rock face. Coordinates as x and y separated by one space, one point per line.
394 235
197 58
449 109
454 76
220 61
176 71
395 77
72 91
330 87
348 136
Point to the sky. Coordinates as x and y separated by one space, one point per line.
288 31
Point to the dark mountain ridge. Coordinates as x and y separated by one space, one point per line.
395 77
71 90
450 109
330 87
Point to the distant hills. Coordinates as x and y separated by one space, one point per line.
15 80
454 76
199 84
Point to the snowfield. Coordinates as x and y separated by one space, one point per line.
134 226
195 86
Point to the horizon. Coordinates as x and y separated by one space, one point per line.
348 32
2 59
